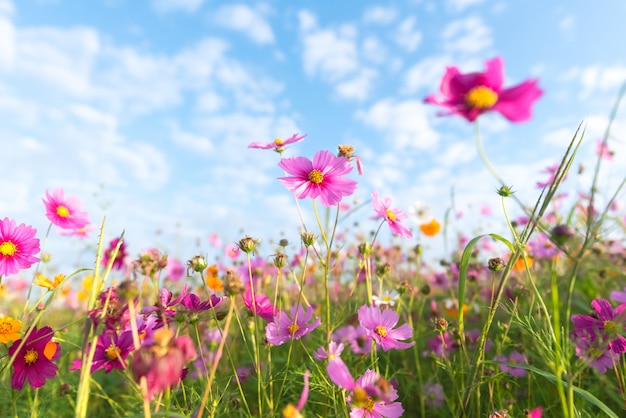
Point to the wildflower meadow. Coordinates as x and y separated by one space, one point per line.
524 321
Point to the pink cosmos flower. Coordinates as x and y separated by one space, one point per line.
278 144
607 324
34 360
470 95
333 352
64 211
232 250
261 305
175 269
551 170
371 396
118 262
80 232
603 151
322 177
293 411
285 328
380 326
515 358
18 247
394 217
111 352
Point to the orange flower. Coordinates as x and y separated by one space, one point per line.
519 264
9 328
430 229
212 279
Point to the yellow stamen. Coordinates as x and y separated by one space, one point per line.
381 331
31 356
481 97
112 352
316 176
62 211
369 405
8 248
278 142
390 215
293 328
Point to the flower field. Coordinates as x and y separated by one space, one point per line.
529 321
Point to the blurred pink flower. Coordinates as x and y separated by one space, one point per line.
64 211
394 217
215 240
118 262
231 250
470 95
278 144
175 269
18 247
80 232
322 177
603 151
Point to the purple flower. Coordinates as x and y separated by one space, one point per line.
322 177
608 324
118 262
619 296
261 305
380 326
596 353
284 328
433 394
394 217
514 358
334 351
111 352
278 144
471 95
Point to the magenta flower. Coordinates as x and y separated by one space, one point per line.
111 352
64 211
333 352
278 144
284 328
607 324
18 247
261 305
118 262
34 360
293 411
394 217
471 95
322 177
371 396
380 326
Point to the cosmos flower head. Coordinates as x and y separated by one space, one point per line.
34 358
321 178
394 217
379 325
278 144
18 247
473 94
260 305
118 261
295 326
9 329
64 211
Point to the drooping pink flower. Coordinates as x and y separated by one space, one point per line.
260 305
18 247
470 95
64 211
379 324
118 262
278 144
321 178
284 328
34 360
394 217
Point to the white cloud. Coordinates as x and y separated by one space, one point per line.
194 142
380 15
601 78
307 21
166 6
247 21
404 123
6 7
374 50
7 43
461 5
358 87
567 24
458 153
468 36
426 73
330 53
406 36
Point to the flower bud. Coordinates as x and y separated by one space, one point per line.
308 238
247 244
496 264
197 264
562 233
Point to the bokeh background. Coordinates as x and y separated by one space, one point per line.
144 109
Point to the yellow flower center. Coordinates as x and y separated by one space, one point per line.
31 356
62 211
293 328
481 97
369 405
316 176
8 248
278 142
390 215
112 352
610 327
381 331
386 298
5 326
291 411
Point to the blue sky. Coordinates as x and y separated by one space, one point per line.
144 109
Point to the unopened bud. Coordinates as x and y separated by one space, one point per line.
197 264
308 238
247 244
495 264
